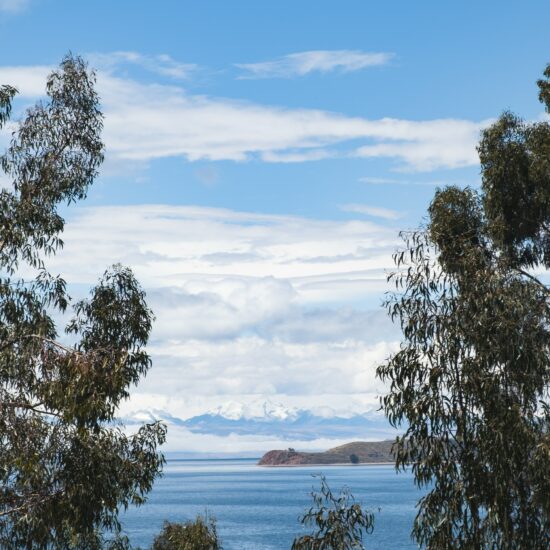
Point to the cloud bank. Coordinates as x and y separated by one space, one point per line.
247 305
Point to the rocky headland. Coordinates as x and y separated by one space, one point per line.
359 452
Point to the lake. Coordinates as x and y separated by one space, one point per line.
257 508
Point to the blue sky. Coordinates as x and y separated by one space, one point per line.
261 159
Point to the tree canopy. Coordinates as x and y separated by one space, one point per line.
470 383
65 468
191 535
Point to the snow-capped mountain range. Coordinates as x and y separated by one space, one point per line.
265 410
274 419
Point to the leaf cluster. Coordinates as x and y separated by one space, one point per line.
339 522
191 535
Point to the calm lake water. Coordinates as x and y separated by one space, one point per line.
258 508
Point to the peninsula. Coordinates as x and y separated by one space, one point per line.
358 452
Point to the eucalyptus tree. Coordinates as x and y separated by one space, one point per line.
65 468
470 383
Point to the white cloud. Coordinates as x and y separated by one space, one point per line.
323 61
425 145
148 122
13 6
253 365
375 211
220 307
151 121
30 81
178 245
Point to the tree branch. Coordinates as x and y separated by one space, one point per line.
54 343
534 279
31 500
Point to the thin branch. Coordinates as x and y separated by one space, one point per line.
30 407
52 342
31 500
534 279
14 510
14 340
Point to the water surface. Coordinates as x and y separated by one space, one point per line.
257 508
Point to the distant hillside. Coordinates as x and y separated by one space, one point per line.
360 452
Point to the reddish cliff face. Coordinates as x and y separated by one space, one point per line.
359 452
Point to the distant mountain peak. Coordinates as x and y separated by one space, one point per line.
256 410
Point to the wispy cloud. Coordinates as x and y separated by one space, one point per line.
150 121
13 6
322 61
162 64
375 211
145 122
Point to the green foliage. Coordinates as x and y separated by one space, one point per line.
6 95
340 522
354 459
544 88
515 161
65 471
200 534
471 381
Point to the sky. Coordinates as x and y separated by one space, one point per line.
261 159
